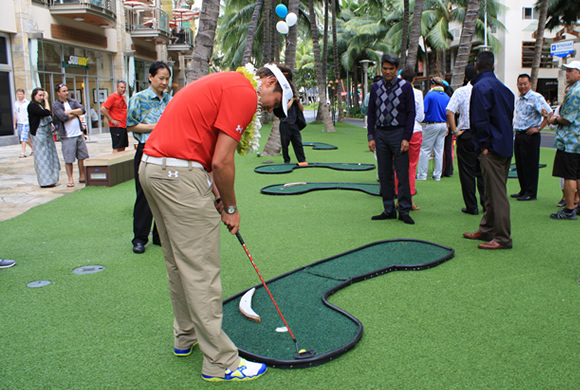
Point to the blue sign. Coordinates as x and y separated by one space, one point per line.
562 49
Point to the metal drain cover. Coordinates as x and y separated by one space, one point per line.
88 269
39 283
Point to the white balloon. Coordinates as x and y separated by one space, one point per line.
291 19
282 27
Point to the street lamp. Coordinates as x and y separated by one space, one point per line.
365 65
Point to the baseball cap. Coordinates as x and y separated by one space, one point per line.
287 94
572 65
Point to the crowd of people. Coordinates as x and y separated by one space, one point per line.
490 127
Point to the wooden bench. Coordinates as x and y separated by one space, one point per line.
110 169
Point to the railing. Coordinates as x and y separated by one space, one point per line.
179 37
142 20
108 6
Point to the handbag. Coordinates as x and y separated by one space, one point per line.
300 120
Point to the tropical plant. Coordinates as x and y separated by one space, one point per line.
539 42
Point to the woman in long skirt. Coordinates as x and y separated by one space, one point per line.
46 161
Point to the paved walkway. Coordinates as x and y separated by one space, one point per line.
19 189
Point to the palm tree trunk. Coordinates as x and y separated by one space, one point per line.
324 54
539 43
465 43
203 50
336 63
405 36
415 33
323 108
251 31
268 21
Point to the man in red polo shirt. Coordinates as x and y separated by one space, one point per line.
115 110
187 173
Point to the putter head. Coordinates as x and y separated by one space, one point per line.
305 354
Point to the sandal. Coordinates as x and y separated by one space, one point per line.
70 185
561 203
22 155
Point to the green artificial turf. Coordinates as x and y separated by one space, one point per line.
483 320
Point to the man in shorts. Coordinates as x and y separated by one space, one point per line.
21 121
567 141
66 113
115 110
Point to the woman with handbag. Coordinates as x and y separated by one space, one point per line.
46 161
290 131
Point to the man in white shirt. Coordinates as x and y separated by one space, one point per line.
21 121
467 162
66 114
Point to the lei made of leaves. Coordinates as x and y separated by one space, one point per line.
250 141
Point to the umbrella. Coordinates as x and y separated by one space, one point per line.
132 4
182 12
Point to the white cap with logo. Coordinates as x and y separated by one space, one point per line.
287 92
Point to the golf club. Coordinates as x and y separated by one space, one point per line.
300 354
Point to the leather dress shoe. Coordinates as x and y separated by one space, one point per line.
380 217
406 218
467 211
139 248
493 244
474 236
517 195
526 197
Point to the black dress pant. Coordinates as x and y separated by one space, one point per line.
469 172
389 156
448 155
527 155
142 216
289 132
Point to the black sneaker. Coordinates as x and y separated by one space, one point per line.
563 214
577 210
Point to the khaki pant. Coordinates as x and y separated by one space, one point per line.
182 204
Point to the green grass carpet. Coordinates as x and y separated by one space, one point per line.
483 320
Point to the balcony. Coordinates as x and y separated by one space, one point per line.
181 40
150 24
101 13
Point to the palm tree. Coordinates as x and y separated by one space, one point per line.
405 34
204 40
415 33
467 32
251 31
323 108
539 42
336 61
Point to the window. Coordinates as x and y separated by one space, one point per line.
528 13
528 55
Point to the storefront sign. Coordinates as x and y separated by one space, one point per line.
562 49
76 62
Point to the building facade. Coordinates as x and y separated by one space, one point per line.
88 45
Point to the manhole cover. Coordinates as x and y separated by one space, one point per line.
39 283
88 269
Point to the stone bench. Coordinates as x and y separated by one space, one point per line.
110 169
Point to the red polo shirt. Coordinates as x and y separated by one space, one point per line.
117 107
191 122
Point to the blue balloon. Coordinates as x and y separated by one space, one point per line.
281 10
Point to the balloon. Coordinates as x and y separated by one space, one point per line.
281 10
282 27
291 19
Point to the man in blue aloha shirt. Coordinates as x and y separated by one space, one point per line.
567 141
528 124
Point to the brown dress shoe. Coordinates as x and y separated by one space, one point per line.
474 236
493 244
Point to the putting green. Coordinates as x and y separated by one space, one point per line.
285 168
513 173
304 187
319 146
302 296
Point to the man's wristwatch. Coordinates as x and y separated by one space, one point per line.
230 209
